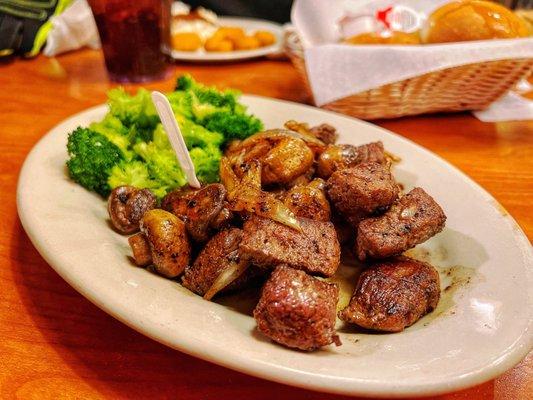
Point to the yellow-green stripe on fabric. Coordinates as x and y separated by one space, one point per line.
43 31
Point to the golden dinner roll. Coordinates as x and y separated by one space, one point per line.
395 37
186 41
266 38
247 43
527 17
467 20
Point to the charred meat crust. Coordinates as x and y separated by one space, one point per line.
363 190
411 220
267 243
393 295
199 209
297 310
324 132
309 201
217 255
336 157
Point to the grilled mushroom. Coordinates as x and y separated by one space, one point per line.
126 206
168 242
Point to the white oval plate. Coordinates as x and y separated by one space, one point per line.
249 25
481 328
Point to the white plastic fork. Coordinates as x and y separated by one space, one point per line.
175 137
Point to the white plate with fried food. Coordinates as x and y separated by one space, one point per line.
481 327
219 52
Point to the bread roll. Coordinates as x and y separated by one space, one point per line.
395 37
466 20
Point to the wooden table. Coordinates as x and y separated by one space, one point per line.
54 344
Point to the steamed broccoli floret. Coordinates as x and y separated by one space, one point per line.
140 134
233 126
181 103
136 113
134 173
216 110
206 94
206 163
160 138
92 156
196 135
133 110
113 129
201 111
185 82
162 164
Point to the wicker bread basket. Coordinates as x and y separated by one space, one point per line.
467 87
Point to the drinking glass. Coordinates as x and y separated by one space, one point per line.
132 33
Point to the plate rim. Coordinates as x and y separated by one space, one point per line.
270 371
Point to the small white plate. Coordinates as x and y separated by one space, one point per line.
481 328
249 25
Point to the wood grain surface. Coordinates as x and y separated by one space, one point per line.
54 344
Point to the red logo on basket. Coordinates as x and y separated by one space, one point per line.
383 16
399 18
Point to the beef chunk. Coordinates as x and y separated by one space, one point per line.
363 190
411 220
309 201
216 256
315 249
336 157
325 133
199 209
393 295
297 310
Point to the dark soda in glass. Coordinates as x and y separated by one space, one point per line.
132 33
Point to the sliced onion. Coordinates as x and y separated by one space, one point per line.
318 184
277 134
227 176
226 277
264 204
301 127
252 176
281 213
246 194
392 157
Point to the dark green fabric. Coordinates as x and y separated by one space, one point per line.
20 20
10 34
